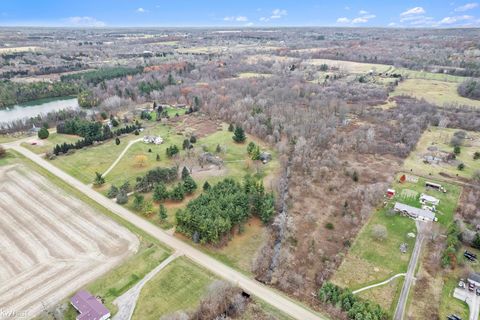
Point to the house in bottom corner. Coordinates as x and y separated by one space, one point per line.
89 307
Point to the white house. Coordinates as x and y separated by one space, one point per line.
153 139
415 213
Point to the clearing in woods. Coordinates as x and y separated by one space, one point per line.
50 242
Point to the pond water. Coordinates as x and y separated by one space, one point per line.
36 107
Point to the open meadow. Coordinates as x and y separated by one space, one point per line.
432 155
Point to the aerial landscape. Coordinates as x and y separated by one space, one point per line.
201 160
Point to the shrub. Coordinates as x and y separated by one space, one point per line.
162 212
476 155
122 196
329 226
461 166
178 192
456 150
99 179
117 141
239 135
470 89
379 232
112 192
43 133
3 153
138 200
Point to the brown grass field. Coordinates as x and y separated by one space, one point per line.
50 242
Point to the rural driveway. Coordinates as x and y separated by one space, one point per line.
126 302
471 299
251 286
379 284
120 156
410 276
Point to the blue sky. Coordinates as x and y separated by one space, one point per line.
230 13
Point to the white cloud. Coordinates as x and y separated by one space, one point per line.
466 7
363 18
249 24
452 20
392 24
235 18
343 20
278 13
84 22
347 8
412 11
140 10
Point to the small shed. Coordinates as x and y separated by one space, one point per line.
429 200
390 193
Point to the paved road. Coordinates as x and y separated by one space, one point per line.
471 299
379 284
126 302
251 286
410 276
120 156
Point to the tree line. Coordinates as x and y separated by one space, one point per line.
12 93
90 132
355 307
97 76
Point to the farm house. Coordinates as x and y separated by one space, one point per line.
89 307
414 213
152 139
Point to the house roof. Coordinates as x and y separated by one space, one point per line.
428 198
88 306
414 211
474 277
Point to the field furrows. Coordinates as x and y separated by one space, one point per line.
50 243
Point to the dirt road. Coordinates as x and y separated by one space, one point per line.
410 276
251 286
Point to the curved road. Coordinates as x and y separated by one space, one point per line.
379 284
253 287
120 156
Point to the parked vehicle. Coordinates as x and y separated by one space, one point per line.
470 254
477 292
471 287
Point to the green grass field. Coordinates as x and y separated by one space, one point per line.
376 260
371 261
414 74
440 138
46 145
180 286
434 91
